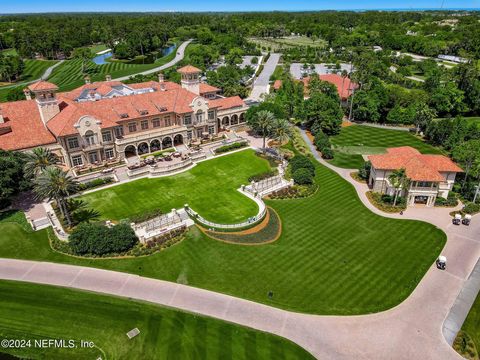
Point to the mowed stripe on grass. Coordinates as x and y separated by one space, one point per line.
30 311
370 136
334 255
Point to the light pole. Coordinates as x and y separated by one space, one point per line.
477 190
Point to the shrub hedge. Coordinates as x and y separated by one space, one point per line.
302 162
230 147
97 239
95 183
302 176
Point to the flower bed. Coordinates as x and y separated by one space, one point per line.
158 153
382 203
294 192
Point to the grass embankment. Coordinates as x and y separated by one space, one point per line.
467 342
334 256
355 141
30 311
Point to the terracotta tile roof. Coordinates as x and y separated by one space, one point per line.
226 103
277 84
419 167
27 127
42 85
344 91
189 69
206 88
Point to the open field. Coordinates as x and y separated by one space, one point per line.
470 333
354 141
30 311
287 42
334 256
210 188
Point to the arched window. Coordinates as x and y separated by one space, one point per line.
199 116
90 137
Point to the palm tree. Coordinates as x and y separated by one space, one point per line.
38 160
281 131
80 212
344 76
263 124
399 180
55 184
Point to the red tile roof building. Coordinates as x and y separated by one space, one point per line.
430 175
345 86
108 119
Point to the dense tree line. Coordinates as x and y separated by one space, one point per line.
133 34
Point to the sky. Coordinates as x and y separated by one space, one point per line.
29 6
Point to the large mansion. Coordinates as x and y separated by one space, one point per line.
110 120
430 175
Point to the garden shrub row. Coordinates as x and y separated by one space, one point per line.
95 183
302 170
322 142
451 201
385 202
294 192
230 147
164 239
100 240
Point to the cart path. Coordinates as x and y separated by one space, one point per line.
178 57
46 74
411 330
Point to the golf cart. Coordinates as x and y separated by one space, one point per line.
457 219
441 262
466 220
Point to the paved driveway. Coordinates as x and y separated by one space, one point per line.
261 84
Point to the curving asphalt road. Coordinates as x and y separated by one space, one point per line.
411 330
178 57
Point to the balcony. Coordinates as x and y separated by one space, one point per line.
149 135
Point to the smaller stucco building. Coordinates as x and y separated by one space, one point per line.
430 175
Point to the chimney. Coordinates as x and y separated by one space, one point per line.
27 94
108 77
161 78
87 79
162 87
2 120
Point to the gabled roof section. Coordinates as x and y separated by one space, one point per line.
27 128
226 103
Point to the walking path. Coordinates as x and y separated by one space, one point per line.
411 330
261 84
44 76
178 57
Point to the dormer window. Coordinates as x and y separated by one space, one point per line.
143 112
124 116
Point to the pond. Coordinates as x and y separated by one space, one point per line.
101 59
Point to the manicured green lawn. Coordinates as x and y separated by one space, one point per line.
68 75
347 161
334 256
355 140
471 326
210 188
30 311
